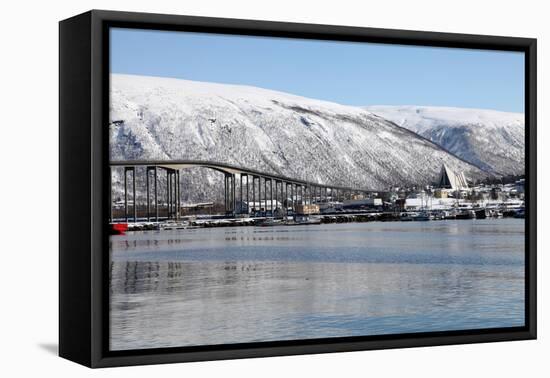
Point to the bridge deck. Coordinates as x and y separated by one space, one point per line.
231 169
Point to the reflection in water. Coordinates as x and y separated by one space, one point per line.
218 286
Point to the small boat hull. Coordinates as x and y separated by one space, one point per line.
118 228
468 214
481 214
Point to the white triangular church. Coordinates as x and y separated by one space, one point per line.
451 180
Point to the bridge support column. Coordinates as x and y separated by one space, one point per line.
254 193
283 196
134 193
241 194
276 196
233 195
156 197
148 171
247 194
178 202
320 194
293 196
265 196
167 194
110 195
148 196
172 193
225 193
172 196
315 196
286 198
228 194
271 195
126 194
176 194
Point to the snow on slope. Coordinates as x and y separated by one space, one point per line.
490 139
161 118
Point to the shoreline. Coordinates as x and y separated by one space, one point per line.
311 220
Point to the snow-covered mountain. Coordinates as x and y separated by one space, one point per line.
162 118
492 140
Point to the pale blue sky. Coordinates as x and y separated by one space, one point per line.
344 72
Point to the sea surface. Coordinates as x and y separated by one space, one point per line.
249 284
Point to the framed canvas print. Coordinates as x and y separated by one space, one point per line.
234 188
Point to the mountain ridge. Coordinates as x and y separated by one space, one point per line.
319 141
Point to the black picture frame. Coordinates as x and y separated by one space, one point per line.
83 167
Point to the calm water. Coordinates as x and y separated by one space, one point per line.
246 284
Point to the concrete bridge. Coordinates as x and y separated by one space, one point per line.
287 191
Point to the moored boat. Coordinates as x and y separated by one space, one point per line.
118 228
416 216
466 214
481 213
520 213
303 220
268 222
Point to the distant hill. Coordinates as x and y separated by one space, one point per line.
492 140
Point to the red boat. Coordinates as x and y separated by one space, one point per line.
118 228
